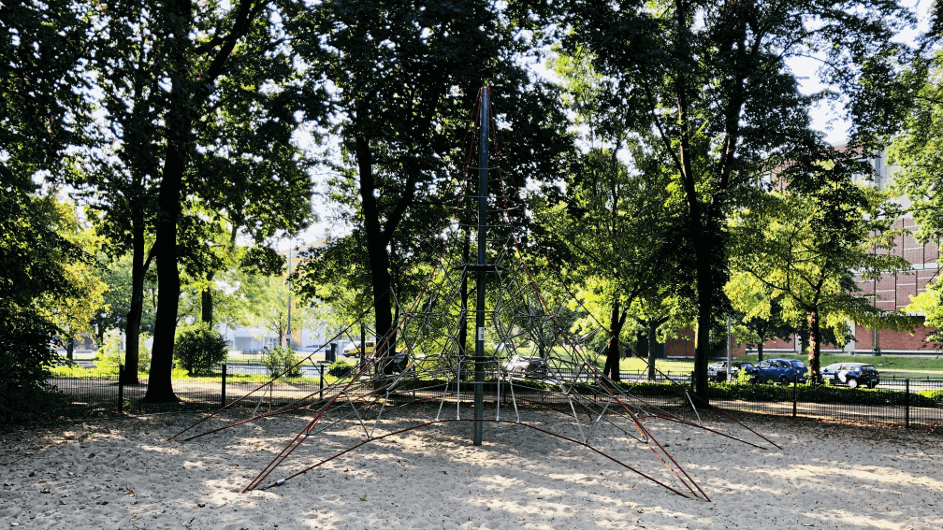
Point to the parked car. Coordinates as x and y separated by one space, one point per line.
530 367
718 371
353 350
781 370
852 374
398 364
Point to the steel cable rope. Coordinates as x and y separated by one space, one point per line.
429 423
601 325
294 443
601 381
284 454
270 381
344 331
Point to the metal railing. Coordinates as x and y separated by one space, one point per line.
906 402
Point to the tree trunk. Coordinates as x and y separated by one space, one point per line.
179 123
652 326
705 307
132 328
70 347
160 389
759 351
815 339
611 369
376 247
206 300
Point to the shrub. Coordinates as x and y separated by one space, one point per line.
341 370
932 394
282 361
25 362
110 355
743 378
198 347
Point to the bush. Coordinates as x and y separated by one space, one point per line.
932 394
25 363
282 361
743 378
198 348
820 394
341 370
110 355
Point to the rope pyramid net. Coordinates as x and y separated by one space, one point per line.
423 373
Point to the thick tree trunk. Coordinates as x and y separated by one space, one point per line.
179 122
705 308
70 347
132 328
759 351
611 369
160 389
376 247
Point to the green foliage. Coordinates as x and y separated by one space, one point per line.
341 370
282 361
798 250
33 273
936 395
743 377
405 85
110 355
820 394
43 111
917 149
198 348
708 85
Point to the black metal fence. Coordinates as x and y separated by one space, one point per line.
906 403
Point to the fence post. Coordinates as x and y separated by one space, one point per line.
222 399
120 389
322 382
907 403
795 393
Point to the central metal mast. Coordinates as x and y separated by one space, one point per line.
482 263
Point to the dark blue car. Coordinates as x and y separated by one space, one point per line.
852 374
780 371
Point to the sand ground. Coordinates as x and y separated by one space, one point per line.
126 474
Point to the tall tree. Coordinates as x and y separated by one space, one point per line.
407 74
713 81
203 102
917 149
76 314
42 112
807 243
759 311
607 217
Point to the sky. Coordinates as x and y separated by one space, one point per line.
827 119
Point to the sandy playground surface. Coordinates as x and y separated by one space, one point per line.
124 473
